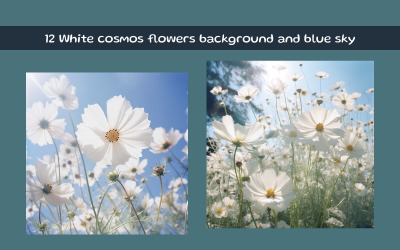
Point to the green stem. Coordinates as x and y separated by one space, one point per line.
287 108
223 101
40 219
276 107
180 178
276 218
101 202
133 207
180 163
292 162
293 179
159 206
301 105
58 159
252 216
186 218
79 171
59 177
239 183
241 195
323 215
84 168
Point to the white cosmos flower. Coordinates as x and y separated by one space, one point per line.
362 107
321 75
360 189
276 86
336 86
147 202
175 184
80 205
336 156
352 145
41 124
355 95
334 222
279 66
217 90
343 100
238 134
283 224
67 151
45 191
30 211
269 190
120 136
219 210
246 93
303 92
132 168
321 126
63 95
290 133
337 212
232 206
132 189
69 140
94 175
296 77
164 141
371 90
186 148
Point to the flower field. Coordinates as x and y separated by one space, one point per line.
290 144
103 157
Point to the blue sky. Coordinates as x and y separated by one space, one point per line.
162 95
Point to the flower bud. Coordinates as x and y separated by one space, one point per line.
71 215
158 171
112 176
43 227
245 178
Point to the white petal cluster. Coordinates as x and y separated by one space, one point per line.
123 134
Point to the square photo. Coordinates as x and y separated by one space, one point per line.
106 153
290 144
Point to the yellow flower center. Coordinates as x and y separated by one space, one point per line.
337 160
239 139
219 211
350 148
319 127
112 135
270 193
293 134
230 206
260 226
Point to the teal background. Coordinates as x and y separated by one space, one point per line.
200 12
14 64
